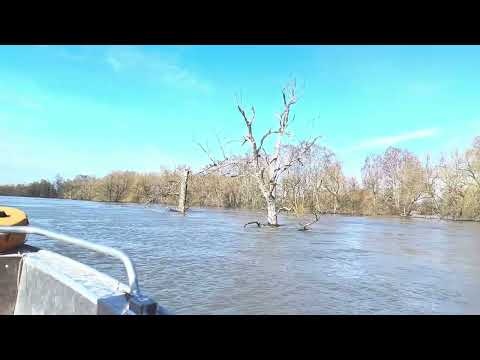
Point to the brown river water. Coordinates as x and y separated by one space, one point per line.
207 263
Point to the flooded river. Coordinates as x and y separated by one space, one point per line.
207 263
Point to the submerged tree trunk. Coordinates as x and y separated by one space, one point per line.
272 212
182 198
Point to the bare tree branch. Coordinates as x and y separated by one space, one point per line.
305 227
210 157
264 137
252 222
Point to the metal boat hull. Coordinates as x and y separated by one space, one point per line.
41 282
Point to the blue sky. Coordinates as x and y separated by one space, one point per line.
93 109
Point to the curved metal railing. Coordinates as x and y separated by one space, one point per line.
130 268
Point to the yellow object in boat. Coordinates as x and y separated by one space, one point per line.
11 217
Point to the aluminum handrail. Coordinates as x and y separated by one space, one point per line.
131 273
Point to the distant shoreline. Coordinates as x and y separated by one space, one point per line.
417 216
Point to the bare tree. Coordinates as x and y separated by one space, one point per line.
391 167
117 185
333 179
170 187
268 166
431 175
143 189
294 192
305 227
470 163
412 183
83 187
372 178
354 196
453 185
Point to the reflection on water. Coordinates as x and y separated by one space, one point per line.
207 263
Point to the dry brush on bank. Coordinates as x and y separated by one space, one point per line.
395 182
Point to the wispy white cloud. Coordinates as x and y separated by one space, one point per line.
392 140
161 66
166 69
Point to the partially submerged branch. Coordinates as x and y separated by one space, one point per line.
260 224
305 227
252 222
177 210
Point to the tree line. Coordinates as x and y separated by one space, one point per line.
395 182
